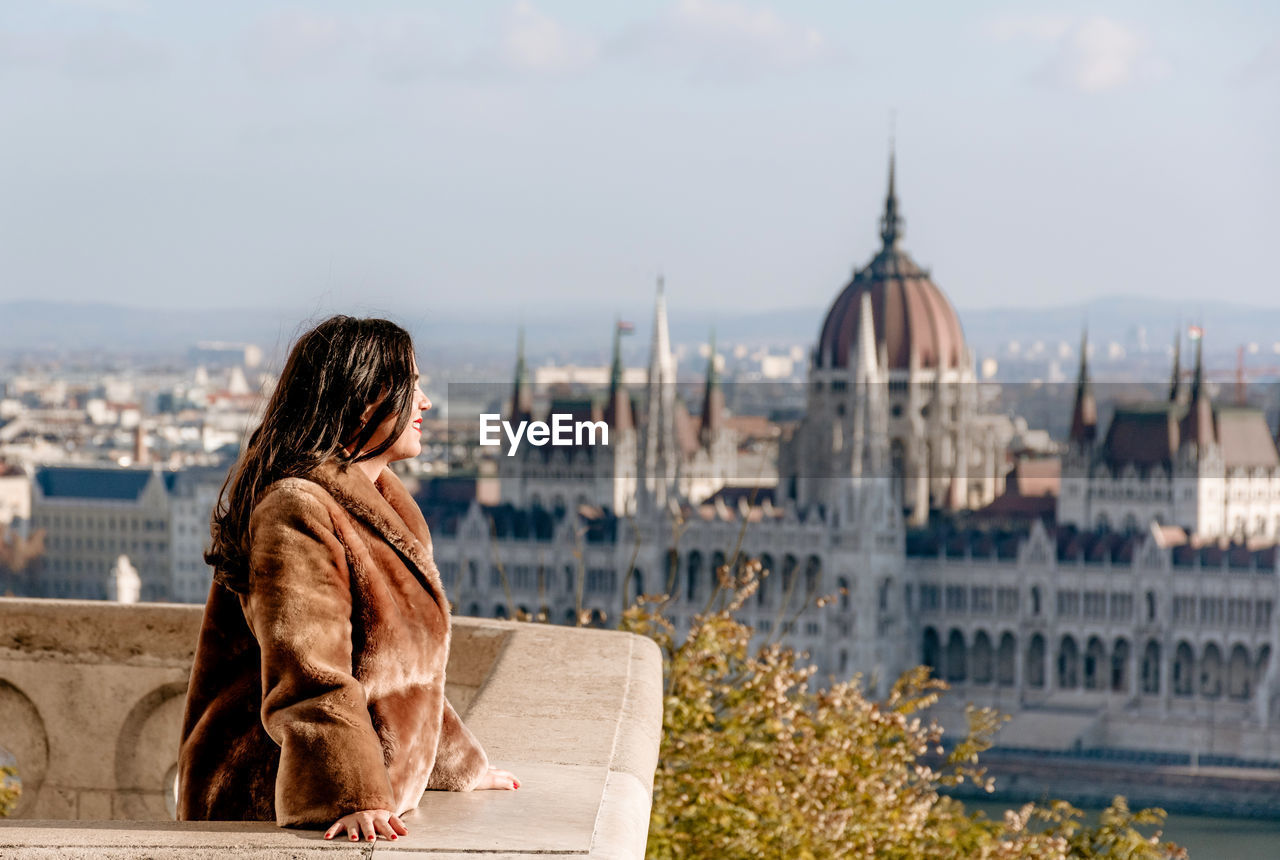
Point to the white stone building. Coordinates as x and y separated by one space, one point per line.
1211 469
1113 630
892 324
158 519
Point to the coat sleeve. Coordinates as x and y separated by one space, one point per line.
299 608
460 760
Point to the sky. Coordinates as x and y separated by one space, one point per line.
529 156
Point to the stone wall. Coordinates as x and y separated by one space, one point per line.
91 699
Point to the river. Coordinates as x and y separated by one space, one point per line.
1205 837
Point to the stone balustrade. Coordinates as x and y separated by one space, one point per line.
91 699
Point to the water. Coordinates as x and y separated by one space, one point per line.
1205 837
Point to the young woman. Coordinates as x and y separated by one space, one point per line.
317 694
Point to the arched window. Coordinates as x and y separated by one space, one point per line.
957 658
789 565
983 659
1151 668
1068 664
1238 686
812 576
1120 666
932 651
693 575
1211 672
1095 658
1183 670
1005 659
766 570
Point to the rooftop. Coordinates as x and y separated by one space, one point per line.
74 482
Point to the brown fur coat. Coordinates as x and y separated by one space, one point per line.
318 684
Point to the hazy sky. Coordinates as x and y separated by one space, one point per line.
517 155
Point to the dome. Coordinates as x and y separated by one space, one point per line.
912 316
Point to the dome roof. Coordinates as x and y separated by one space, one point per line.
912 317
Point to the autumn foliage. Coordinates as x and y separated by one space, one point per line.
755 762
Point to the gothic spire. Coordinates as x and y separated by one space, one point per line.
618 410
891 222
1197 379
1175 385
712 400
521 402
658 457
1197 425
1084 414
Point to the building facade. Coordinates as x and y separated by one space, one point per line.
1210 469
1142 620
157 520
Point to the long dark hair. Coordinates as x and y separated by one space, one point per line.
334 373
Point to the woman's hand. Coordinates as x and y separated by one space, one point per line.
374 823
496 778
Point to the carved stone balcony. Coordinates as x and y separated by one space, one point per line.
91 698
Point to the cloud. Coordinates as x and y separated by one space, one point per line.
1087 55
298 41
1263 65
726 40
413 45
104 53
535 42
119 6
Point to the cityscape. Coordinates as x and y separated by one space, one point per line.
1111 586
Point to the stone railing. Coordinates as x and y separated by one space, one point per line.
91 699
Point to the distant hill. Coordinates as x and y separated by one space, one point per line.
583 333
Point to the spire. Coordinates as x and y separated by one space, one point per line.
871 404
521 403
891 223
658 455
1084 415
712 400
1196 426
1175 385
617 411
1197 379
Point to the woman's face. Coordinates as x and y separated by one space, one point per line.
409 443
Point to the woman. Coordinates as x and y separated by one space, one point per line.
317 694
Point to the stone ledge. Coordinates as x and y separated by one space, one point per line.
576 713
